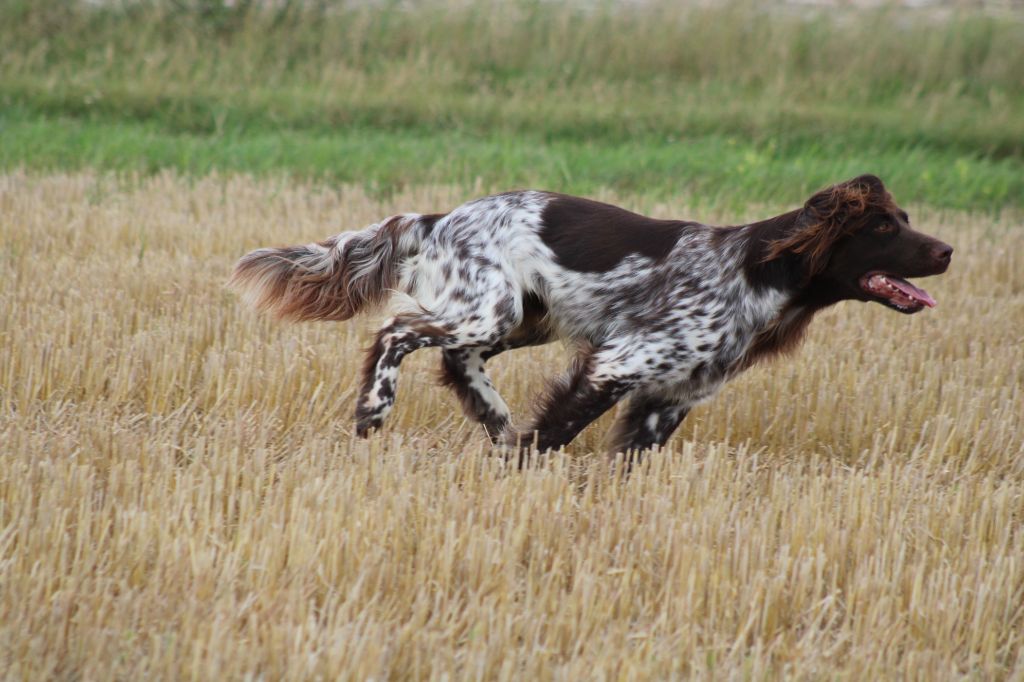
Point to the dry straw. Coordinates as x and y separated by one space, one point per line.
181 496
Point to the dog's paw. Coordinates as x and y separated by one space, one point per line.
365 425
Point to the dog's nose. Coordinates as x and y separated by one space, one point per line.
942 253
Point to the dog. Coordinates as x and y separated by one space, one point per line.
662 312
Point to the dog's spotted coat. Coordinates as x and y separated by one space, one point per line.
662 312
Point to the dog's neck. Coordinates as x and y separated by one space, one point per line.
787 273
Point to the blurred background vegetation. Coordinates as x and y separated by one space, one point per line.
724 104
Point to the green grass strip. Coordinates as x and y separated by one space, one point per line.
713 170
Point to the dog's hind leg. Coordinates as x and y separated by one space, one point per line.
399 337
466 335
462 370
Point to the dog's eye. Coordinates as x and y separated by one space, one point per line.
885 228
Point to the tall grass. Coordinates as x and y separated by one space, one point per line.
181 495
860 53
588 67
931 97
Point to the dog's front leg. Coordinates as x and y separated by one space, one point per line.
649 420
597 380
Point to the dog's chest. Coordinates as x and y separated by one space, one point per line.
703 346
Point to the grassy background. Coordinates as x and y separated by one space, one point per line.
724 105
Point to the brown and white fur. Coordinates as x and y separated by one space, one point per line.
662 312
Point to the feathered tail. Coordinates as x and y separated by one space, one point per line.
332 279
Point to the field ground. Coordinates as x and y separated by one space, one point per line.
181 495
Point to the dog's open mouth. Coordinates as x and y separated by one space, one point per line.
896 292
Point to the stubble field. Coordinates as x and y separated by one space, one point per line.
181 495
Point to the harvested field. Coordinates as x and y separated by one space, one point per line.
181 495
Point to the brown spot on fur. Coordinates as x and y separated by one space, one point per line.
535 328
589 236
428 221
422 328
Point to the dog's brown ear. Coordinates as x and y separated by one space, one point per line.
872 185
826 217
845 201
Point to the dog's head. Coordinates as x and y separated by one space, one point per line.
854 242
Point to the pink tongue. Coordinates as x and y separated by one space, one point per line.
913 292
